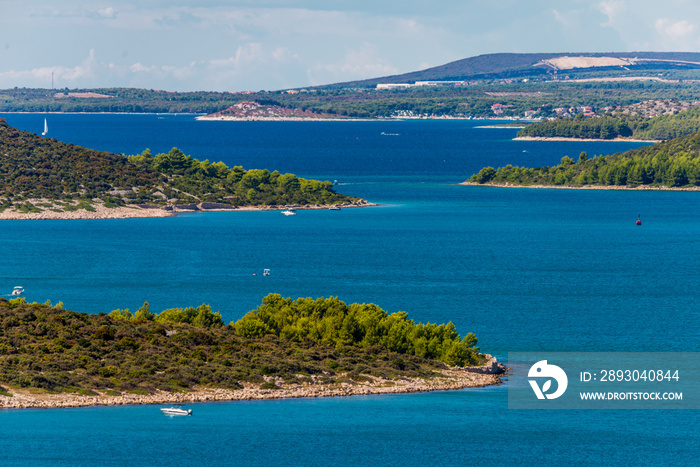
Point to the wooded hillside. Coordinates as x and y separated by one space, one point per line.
674 163
37 168
49 347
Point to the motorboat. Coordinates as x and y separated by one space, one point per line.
266 272
18 290
289 212
334 208
176 410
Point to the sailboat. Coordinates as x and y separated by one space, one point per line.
46 128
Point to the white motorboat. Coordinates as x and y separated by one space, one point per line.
289 212
266 272
176 410
18 290
46 128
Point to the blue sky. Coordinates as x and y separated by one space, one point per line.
219 45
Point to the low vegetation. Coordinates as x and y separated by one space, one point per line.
50 348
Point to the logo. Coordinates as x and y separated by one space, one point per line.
543 370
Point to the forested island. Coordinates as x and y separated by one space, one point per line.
50 356
620 125
673 164
42 176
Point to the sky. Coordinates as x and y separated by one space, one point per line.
253 45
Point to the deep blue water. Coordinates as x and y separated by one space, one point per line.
524 269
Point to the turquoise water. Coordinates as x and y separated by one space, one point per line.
525 270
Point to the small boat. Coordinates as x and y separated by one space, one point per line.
18 290
289 212
266 272
334 208
639 219
176 409
46 128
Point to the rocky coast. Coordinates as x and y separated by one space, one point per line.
586 187
449 379
99 211
560 138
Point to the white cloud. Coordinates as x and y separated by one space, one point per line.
247 54
360 63
613 9
678 30
677 35
254 44
42 77
567 19
108 12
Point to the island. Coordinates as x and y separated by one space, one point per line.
41 178
668 165
52 357
268 111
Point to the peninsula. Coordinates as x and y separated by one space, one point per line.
668 165
41 178
257 111
653 121
53 357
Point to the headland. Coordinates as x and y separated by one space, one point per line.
97 210
590 140
453 378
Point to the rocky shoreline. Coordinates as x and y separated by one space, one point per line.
585 187
453 378
229 118
145 210
558 138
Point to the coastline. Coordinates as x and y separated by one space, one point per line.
450 379
592 140
134 211
584 187
207 118
500 127
100 212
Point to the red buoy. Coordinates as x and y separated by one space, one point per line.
639 220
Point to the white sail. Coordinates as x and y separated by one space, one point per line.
46 128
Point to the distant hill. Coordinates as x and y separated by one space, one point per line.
529 65
519 83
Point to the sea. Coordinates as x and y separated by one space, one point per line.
546 270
